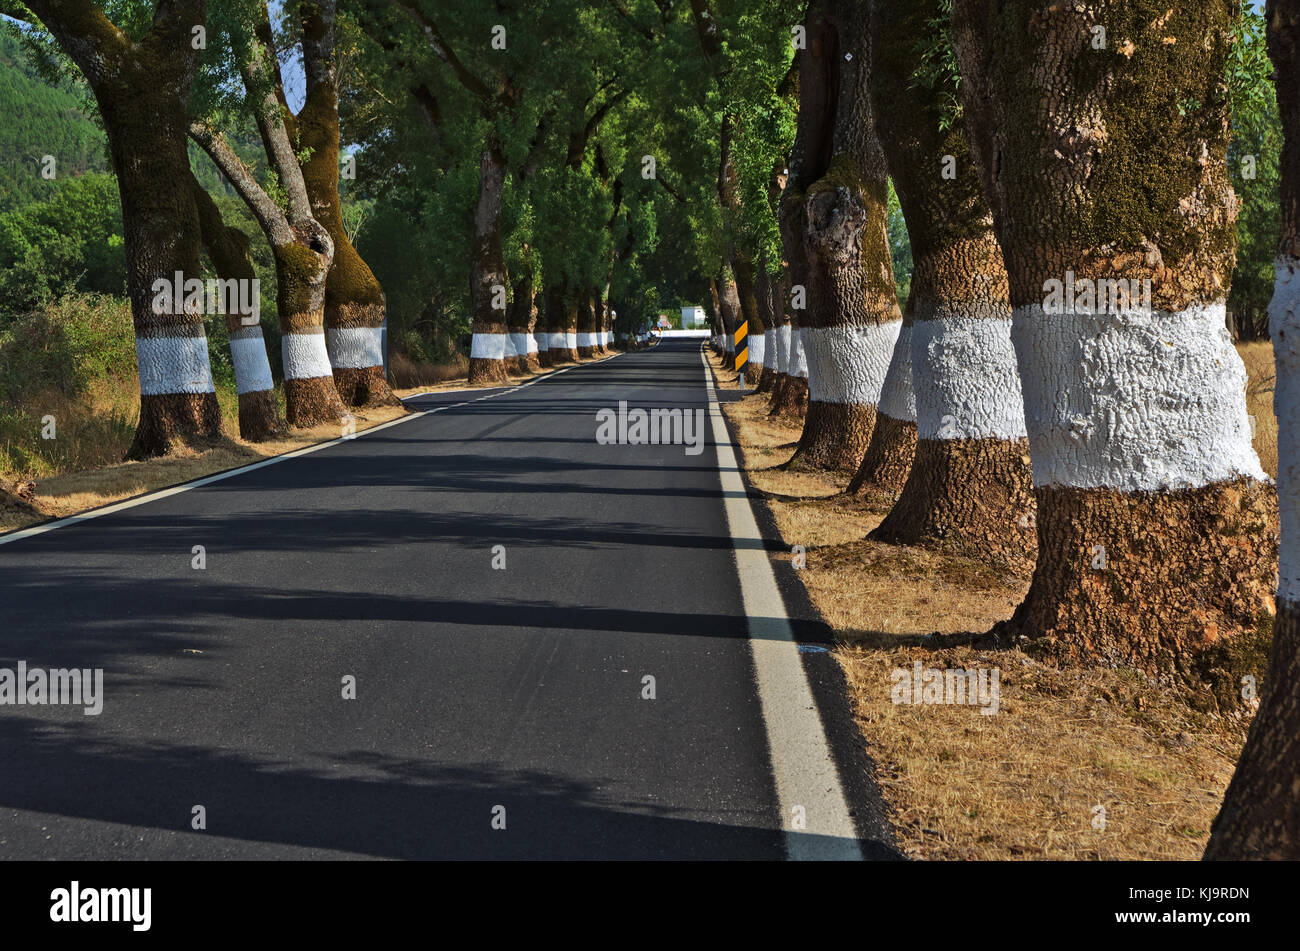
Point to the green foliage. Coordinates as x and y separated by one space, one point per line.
40 119
70 241
1254 156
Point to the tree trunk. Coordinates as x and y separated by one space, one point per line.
229 251
888 459
853 320
586 325
142 89
487 355
1155 541
355 306
519 320
763 290
1260 818
729 308
969 483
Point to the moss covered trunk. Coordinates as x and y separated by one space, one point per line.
1102 148
229 251
1260 818
354 300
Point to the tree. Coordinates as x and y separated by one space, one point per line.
969 481
142 84
1260 818
301 245
229 250
355 307
837 197
1102 149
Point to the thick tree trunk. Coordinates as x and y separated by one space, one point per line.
1260 818
853 320
545 316
747 294
142 89
969 484
310 396
355 307
888 459
519 320
147 140
1155 540
229 251
487 366
729 308
586 325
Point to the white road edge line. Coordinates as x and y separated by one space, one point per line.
802 765
112 507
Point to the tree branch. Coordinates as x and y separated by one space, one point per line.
264 209
444 52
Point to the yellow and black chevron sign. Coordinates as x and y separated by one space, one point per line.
742 345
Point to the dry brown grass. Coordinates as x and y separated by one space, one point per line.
408 374
1261 373
961 785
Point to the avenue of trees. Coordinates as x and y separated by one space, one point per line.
1095 198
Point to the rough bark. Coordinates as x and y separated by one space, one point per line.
1109 164
729 308
969 482
852 317
355 307
142 90
487 350
229 250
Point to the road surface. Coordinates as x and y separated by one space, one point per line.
484 696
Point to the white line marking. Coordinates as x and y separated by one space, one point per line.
109 509
802 765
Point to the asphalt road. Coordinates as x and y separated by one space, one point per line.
476 688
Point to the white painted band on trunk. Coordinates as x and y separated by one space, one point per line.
757 348
354 348
511 349
305 356
586 340
965 379
537 342
1138 401
571 340
523 344
173 365
1284 327
556 341
848 364
783 349
488 347
252 367
731 343
798 355
897 395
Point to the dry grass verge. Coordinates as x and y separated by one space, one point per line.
1028 781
